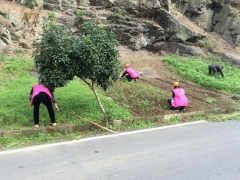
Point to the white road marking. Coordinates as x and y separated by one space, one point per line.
97 137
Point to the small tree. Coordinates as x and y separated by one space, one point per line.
91 56
97 58
55 55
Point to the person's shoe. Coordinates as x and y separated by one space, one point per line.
175 110
36 126
54 124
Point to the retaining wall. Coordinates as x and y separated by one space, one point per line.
88 127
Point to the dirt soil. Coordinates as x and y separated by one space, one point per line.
163 80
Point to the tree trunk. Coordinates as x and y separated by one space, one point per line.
98 99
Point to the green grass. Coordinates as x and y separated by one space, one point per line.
196 70
211 100
15 86
15 142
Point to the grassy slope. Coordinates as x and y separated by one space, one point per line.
76 97
196 70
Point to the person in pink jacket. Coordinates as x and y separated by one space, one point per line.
41 94
130 73
179 100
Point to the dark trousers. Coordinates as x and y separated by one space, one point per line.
212 68
42 97
173 108
129 78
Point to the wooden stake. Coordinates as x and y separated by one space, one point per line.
231 115
93 123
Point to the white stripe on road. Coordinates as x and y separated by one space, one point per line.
97 137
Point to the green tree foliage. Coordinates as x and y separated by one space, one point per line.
55 55
98 58
91 56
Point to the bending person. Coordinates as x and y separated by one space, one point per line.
130 73
179 100
215 69
38 94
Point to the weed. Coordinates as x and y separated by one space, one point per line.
210 48
124 79
235 12
4 14
19 51
202 44
46 6
197 117
30 3
79 13
210 100
11 142
119 13
167 107
174 120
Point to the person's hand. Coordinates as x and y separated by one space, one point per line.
56 107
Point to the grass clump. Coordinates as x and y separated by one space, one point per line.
196 70
119 13
15 142
211 100
80 13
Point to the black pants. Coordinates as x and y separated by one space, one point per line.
129 78
43 97
212 68
173 108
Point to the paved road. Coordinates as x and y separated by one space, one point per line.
202 151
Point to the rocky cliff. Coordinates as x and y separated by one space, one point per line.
162 26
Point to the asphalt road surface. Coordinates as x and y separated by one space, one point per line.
200 151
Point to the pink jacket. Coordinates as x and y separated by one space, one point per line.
132 72
37 89
179 99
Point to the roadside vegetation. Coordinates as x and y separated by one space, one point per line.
138 97
15 86
196 70
17 142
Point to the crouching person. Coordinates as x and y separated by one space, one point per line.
41 94
179 100
130 73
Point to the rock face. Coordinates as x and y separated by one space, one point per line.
5 39
185 50
228 26
213 15
233 59
160 26
142 24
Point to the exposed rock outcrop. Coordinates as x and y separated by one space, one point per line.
233 59
159 26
